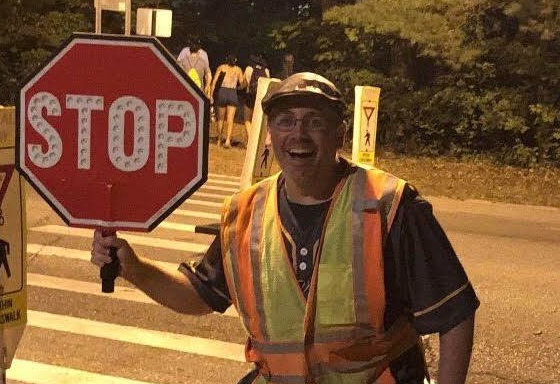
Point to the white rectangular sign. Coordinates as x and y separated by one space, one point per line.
259 156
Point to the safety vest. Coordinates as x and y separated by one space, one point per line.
337 335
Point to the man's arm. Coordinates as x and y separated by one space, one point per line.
455 348
433 283
169 288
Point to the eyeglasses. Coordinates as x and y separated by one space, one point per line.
285 122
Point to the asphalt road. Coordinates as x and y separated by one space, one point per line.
77 335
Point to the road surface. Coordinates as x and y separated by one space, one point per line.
76 334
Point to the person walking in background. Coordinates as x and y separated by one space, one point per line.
287 66
256 69
194 60
227 100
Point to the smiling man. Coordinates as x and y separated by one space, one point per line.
335 269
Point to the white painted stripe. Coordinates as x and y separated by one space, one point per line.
209 195
132 239
221 176
223 182
139 336
204 203
223 189
88 288
177 226
39 373
78 254
198 214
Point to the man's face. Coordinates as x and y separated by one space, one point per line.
305 141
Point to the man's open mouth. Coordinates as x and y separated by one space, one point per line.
301 153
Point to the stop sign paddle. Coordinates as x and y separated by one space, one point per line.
112 133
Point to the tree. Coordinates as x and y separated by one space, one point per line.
491 63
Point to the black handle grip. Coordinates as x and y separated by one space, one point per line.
109 272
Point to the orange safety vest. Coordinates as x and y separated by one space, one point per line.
337 335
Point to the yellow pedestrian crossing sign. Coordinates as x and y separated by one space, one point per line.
13 300
365 124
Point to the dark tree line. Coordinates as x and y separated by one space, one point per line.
480 77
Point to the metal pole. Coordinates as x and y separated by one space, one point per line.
2 376
97 16
127 17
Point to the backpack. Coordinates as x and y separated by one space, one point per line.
192 72
258 71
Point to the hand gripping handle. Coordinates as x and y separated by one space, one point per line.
110 271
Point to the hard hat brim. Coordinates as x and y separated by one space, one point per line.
302 98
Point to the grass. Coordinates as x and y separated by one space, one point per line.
435 176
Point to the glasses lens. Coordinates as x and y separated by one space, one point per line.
315 123
284 121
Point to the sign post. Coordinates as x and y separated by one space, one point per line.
116 6
13 295
365 124
112 132
259 156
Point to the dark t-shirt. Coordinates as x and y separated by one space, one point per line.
423 276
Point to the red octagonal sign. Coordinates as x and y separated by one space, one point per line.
112 132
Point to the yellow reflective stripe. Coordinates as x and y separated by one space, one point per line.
335 280
284 299
256 238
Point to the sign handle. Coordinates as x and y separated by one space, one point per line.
109 272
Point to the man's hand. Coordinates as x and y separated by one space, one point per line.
168 287
100 252
455 348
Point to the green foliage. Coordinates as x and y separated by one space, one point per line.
461 78
33 32
458 78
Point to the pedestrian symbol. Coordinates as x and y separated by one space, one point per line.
264 156
367 137
4 252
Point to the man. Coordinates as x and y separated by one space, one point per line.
194 61
334 269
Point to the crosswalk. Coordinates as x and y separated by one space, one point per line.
77 334
68 312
